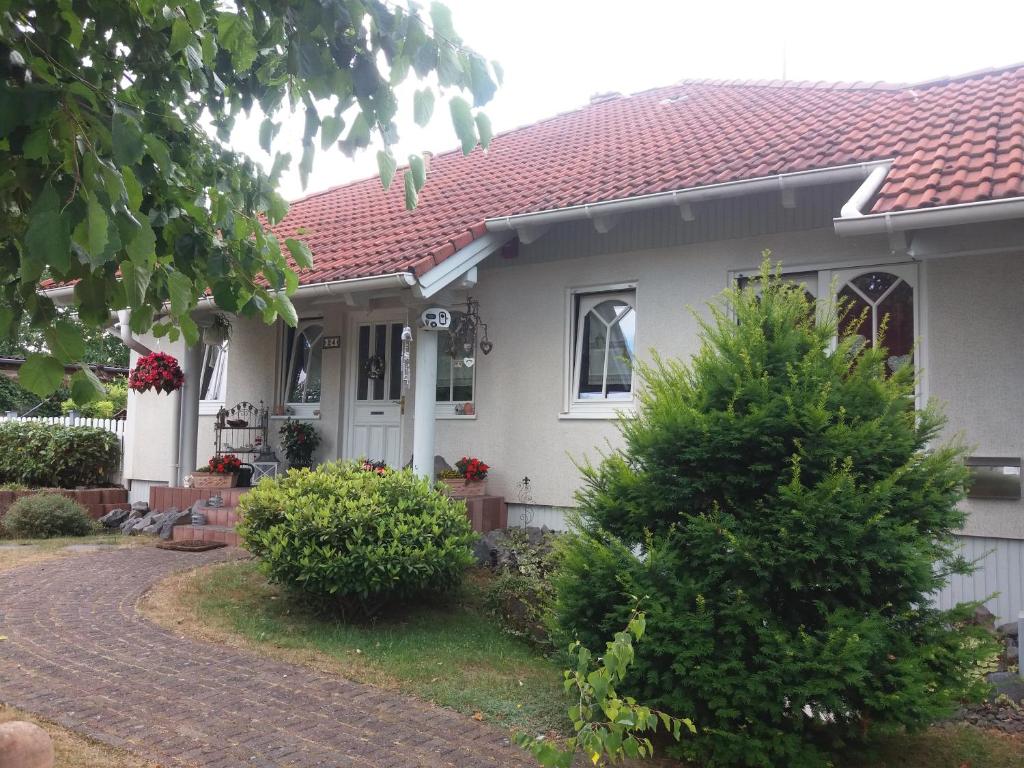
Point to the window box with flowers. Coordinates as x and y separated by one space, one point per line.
469 478
220 472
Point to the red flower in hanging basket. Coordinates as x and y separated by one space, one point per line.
158 371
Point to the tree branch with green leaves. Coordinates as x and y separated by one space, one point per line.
109 180
607 727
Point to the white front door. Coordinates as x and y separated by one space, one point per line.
375 392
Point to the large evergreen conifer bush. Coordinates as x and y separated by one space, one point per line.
787 512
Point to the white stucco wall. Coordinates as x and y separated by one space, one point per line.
975 366
520 385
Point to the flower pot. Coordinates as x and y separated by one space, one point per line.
213 480
460 487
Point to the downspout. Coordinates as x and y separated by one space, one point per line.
189 395
854 207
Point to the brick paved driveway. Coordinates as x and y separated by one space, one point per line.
78 653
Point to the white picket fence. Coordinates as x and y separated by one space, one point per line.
117 426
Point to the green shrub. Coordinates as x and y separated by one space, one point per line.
45 515
522 594
788 515
54 456
115 401
357 540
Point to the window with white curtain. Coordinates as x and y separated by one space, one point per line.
602 352
303 355
213 378
455 380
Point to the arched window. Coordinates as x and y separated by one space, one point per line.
305 349
886 302
605 347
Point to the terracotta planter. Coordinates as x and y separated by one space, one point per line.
460 487
212 480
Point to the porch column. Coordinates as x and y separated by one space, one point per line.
426 390
190 392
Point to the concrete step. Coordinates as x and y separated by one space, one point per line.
226 516
221 533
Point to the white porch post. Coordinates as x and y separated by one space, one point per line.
190 410
423 421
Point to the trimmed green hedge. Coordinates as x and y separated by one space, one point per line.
45 515
54 456
357 540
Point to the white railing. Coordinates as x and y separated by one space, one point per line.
117 426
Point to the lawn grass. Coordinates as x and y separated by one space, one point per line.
74 751
37 550
949 746
451 654
456 657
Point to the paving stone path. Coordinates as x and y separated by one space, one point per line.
78 653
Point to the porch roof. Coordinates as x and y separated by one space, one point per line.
953 141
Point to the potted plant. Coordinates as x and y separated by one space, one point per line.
220 472
217 333
469 478
158 371
299 440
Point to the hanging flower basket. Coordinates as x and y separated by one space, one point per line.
158 371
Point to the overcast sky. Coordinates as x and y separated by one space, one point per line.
557 53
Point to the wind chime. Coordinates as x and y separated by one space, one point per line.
406 361
462 336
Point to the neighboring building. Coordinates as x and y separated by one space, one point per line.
584 239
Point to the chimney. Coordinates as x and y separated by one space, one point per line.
599 98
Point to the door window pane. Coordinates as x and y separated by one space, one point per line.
364 354
395 362
380 345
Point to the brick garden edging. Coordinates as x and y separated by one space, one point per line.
97 501
78 653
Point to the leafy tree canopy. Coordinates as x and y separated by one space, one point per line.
106 172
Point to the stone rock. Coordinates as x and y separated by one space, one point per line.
115 518
984 618
140 506
1009 629
173 517
133 517
497 548
1007 684
25 745
140 523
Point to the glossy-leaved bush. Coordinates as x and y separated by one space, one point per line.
356 540
789 515
45 515
54 456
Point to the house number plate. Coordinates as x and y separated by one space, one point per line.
332 342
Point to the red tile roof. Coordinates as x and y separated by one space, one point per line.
957 140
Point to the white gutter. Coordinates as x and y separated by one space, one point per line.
62 295
923 218
782 182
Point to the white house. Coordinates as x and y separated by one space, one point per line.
583 239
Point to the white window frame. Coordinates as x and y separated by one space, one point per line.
210 407
302 410
446 410
572 406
